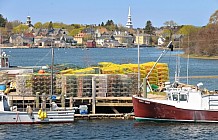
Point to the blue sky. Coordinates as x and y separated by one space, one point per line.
183 12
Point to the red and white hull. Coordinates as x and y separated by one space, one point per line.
148 109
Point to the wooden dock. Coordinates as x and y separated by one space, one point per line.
103 103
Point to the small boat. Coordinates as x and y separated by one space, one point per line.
182 104
9 115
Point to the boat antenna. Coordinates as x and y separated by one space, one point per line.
146 78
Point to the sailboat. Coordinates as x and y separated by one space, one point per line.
182 104
9 115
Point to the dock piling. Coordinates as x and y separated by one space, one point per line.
37 100
93 94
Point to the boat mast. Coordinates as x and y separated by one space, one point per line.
177 72
138 64
188 62
52 72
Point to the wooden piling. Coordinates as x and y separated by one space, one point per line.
62 99
37 100
93 94
71 102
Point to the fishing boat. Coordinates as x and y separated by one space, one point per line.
182 104
9 115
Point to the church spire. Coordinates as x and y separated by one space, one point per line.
129 20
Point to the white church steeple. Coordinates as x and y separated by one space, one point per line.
129 21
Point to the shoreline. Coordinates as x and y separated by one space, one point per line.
199 57
193 55
181 55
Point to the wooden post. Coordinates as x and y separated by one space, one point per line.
44 102
37 100
93 94
145 88
71 102
23 104
62 100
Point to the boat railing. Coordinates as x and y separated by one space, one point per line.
179 89
213 101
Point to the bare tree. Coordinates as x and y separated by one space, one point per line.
214 18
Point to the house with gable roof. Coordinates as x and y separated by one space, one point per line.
79 38
26 39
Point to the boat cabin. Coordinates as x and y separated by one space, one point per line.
189 98
176 94
4 104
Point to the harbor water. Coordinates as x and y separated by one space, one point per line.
109 128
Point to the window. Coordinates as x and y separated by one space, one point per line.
169 96
175 97
4 99
183 97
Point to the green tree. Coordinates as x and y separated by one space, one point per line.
74 32
149 29
59 25
167 33
45 25
109 23
187 30
38 25
77 26
3 31
102 23
50 26
2 21
20 28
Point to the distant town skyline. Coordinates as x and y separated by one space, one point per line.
183 12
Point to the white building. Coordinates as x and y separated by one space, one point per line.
161 41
